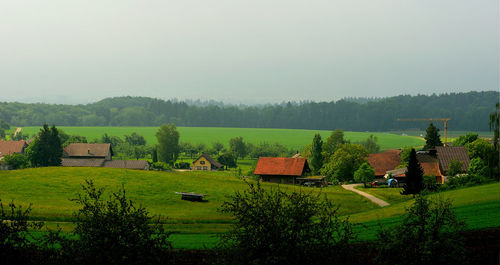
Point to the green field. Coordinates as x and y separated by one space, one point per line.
291 138
196 225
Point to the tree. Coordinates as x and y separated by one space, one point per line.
346 160
135 139
364 174
16 236
482 149
316 160
140 151
272 226
218 147
371 144
114 231
74 139
495 124
477 167
16 161
463 140
5 126
432 137
331 143
405 156
46 149
168 143
238 147
454 168
429 234
227 160
414 176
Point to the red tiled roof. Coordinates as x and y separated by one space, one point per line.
431 169
449 153
283 166
10 147
383 162
128 164
87 150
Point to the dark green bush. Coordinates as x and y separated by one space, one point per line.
277 227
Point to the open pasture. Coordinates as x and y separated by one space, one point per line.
291 138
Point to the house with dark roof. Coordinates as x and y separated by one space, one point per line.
12 147
205 162
446 154
97 155
84 150
383 162
283 170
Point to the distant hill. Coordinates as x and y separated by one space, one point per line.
468 111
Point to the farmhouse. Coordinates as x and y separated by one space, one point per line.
283 170
446 154
97 155
12 147
383 162
205 162
83 151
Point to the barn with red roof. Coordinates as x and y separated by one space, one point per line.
283 170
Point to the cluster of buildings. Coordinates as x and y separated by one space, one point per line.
285 170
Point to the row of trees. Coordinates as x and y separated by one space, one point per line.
468 111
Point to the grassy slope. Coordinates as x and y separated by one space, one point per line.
291 138
49 189
478 206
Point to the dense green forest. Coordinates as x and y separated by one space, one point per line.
468 111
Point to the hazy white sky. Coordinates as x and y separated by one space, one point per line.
237 51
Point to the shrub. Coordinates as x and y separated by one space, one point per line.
455 167
115 231
278 227
16 161
430 183
160 166
429 234
15 236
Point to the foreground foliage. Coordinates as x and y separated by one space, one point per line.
277 227
429 234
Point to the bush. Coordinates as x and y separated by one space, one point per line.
277 227
430 183
428 234
464 180
16 161
114 231
160 166
182 165
15 237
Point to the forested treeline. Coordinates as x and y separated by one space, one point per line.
468 111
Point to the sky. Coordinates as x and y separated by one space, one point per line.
236 51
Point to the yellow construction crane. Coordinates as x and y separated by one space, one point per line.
433 119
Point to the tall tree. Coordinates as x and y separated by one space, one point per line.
217 147
331 143
370 144
494 125
135 139
168 143
432 137
238 147
346 160
46 149
414 176
316 154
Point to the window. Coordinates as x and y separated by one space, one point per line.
205 168
198 168
202 162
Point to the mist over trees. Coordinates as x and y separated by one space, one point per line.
468 111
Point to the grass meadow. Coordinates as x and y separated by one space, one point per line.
291 138
196 225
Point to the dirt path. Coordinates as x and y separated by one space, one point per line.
18 130
370 197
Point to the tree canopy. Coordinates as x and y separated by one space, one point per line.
46 149
168 143
414 176
432 137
